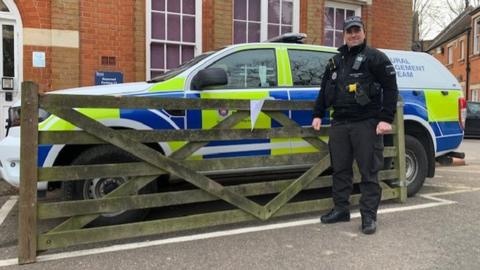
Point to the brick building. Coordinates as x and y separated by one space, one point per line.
458 48
64 43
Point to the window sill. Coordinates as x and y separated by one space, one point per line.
474 56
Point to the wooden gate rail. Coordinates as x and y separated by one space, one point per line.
152 164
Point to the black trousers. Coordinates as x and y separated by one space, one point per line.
359 141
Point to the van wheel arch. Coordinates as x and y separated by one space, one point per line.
420 133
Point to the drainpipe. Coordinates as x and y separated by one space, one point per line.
467 70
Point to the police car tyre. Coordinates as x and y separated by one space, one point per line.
99 187
416 164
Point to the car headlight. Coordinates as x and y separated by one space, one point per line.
14 116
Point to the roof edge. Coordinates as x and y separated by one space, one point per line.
450 39
450 26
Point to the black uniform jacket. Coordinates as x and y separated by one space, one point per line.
376 77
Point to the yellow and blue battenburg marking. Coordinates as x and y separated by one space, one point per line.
432 107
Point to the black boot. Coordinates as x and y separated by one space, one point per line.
369 225
335 215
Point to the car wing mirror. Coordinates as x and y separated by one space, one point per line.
209 77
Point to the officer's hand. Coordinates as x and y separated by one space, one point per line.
383 127
317 123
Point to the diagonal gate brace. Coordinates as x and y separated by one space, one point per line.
155 158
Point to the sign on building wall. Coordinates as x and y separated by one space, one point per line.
38 59
103 78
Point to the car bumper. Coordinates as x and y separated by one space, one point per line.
10 159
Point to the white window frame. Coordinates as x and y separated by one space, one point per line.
449 54
148 29
330 4
475 94
14 18
264 19
476 35
461 43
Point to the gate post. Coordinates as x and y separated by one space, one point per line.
399 142
27 230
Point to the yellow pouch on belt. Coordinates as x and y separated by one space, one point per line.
352 87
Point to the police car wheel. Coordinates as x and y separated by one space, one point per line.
416 164
99 187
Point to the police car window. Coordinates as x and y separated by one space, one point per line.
308 66
249 69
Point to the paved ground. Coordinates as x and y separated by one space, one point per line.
437 229
6 189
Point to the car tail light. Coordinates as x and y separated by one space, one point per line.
462 111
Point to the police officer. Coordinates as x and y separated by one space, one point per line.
360 84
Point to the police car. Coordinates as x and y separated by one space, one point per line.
280 69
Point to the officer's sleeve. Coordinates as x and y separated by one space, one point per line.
319 108
386 76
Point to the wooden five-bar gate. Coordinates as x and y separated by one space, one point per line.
78 214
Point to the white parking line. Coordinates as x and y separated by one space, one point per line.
433 196
455 186
437 202
458 171
7 207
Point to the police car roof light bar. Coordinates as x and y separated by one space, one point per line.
289 38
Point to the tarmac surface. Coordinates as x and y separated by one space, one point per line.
439 228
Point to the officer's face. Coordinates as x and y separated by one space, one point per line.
354 36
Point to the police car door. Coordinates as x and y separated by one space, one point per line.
252 74
307 67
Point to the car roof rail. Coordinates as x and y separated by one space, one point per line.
289 38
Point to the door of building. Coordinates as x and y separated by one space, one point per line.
8 71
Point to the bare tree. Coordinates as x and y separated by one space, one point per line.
420 17
455 7
437 14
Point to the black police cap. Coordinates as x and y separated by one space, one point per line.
352 21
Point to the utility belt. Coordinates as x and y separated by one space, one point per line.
363 92
356 87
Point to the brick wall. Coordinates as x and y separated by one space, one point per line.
475 72
223 18
36 14
117 28
303 16
107 29
65 62
139 41
314 15
208 24
42 76
458 67
474 63
65 14
391 24
366 17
